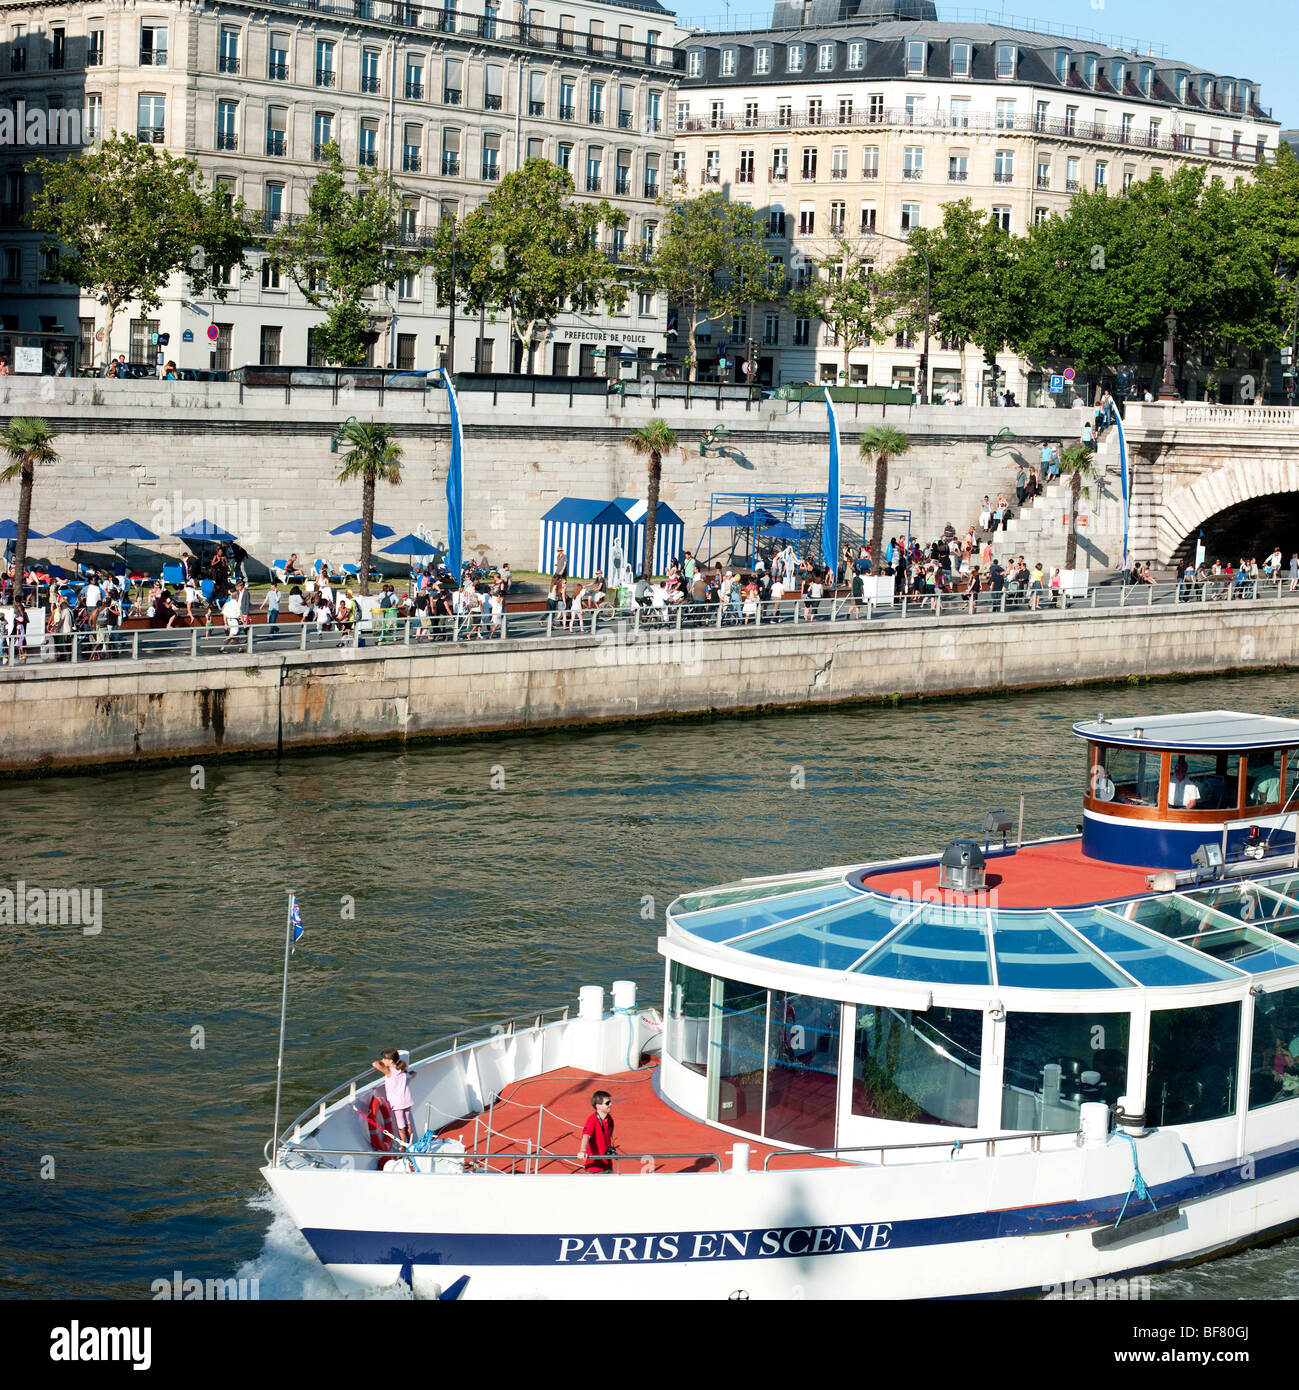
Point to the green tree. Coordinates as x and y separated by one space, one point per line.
26 441
127 216
975 285
881 443
345 245
1078 464
530 250
711 263
846 297
652 441
374 458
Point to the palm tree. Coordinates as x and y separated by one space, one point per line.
1078 464
28 441
653 440
373 458
882 443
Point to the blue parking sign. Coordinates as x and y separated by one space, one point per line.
1057 385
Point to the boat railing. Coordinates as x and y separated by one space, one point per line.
423 1054
958 1147
525 1160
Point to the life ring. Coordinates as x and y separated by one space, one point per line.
378 1120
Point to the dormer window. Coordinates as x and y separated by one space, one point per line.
1090 68
1006 55
728 62
762 60
916 57
1147 78
1118 75
824 57
960 60
1062 65
1206 91
695 63
794 57
1181 86
856 56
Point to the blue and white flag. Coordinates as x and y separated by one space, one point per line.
1123 479
455 484
830 522
295 918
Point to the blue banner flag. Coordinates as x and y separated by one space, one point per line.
295 918
1116 420
830 522
455 484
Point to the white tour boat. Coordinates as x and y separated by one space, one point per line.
992 1070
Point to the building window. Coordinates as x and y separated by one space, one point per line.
958 168
415 79
564 156
960 112
824 57
802 332
838 217
1102 173
270 275
870 162
910 216
405 352
595 104
780 164
717 114
227 117
408 286
839 164
1005 60
1090 68
913 162
645 304
960 60
370 70
1005 115
744 173
762 60
806 219
491 158
856 57
228 60
1128 176
367 149
1040 215
95 48
153 45
269 355
694 63
845 110
94 116
728 62
1044 173
1070 120
322 134
1001 216
452 83
1003 165
151 119
277 58
324 63
916 57
794 58
867 217
412 148
648 235
1072 168
809 164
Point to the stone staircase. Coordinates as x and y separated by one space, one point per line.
1040 529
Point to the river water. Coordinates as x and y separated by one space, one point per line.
439 886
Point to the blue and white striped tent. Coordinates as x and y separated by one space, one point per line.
586 530
669 532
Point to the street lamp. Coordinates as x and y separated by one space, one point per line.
924 351
1168 386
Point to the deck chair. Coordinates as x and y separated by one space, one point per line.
173 574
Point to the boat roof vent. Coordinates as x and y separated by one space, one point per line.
962 867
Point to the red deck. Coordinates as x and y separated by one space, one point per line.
643 1124
1036 876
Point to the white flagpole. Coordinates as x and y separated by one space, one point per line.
284 1004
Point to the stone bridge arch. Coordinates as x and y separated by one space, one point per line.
1181 514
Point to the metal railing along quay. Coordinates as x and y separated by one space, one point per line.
442 633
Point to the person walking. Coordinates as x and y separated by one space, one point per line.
271 603
597 1144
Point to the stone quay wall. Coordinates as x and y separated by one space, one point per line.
62 716
260 464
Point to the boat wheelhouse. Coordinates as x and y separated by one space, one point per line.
1100 1056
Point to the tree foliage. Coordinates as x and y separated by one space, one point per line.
652 441
374 458
127 216
531 249
846 296
712 264
26 442
345 245
881 443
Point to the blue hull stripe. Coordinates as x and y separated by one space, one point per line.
458 1249
1149 845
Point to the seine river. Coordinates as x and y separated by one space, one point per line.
441 886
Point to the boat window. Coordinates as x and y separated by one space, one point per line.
749 891
834 938
1203 781
1034 951
1182 918
1263 778
1246 949
802 1070
738 919
1054 1062
738 1056
1193 1059
1150 959
942 946
1274 1070
689 992
918 1067
1126 776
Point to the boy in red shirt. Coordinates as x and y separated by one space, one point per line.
597 1135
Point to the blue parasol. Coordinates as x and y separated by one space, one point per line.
783 531
411 545
731 519
353 528
9 532
127 531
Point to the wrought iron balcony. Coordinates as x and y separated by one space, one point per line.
566 113
957 176
651 188
1003 178
227 140
149 58
150 134
275 142
450 164
325 77
370 84
536 108
913 175
491 172
622 184
227 62
595 117
277 72
593 183
491 102
414 91
411 162
625 120
451 96
367 158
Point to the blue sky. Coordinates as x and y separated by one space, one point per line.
1258 41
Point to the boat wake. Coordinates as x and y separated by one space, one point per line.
286 1267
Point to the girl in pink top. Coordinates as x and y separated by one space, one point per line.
397 1087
